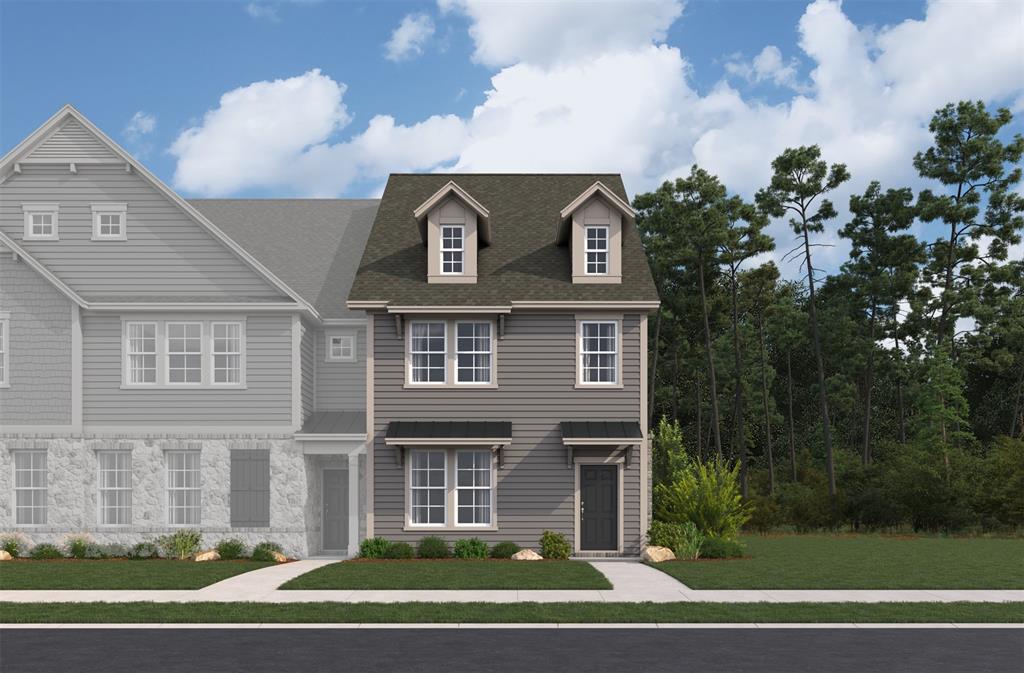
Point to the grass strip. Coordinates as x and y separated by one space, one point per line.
119 573
578 613
452 574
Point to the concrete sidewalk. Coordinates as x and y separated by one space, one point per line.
631 582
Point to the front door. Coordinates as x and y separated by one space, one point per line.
599 507
335 510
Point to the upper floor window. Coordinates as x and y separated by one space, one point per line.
41 221
341 348
599 352
141 350
5 328
227 352
30 488
185 352
453 248
473 352
467 359
597 251
108 221
178 353
428 352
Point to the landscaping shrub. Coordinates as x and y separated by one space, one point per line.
504 550
15 543
45 550
181 544
112 550
264 551
716 547
374 547
554 545
399 550
76 544
144 550
708 494
231 548
471 547
433 547
684 539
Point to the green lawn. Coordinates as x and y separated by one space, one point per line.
860 562
119 574
480 613
452 574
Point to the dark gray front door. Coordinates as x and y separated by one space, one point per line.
335 510
599 507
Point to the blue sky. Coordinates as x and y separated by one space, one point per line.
321 107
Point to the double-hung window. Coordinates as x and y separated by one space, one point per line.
115 487
599 352
453 248
184 493
473 352
108 222
141 352
185 353
30 488
428 488
451 488
5 330
428 352
597 251
473 488
227 352
41 221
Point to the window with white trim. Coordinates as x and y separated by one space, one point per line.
597 251
5 328
428 487
108 222
185 353
341 348
227 352
184 492
30 488
141 350
599 352
452 248
473 352
473 486
428 352
41 221
115 487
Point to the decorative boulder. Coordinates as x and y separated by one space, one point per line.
210 555
658 554
279 557
5 555
526 555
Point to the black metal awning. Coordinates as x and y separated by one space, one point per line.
402 434
618 435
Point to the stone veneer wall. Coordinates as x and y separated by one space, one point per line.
72 493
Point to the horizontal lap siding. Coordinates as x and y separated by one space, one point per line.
72 142
266 401
536 361
166 254
341 386
39 347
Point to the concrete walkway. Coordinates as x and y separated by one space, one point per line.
632 583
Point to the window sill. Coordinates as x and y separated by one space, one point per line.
39 238
109 238
449 529
450 386
5 385
598 386
182 387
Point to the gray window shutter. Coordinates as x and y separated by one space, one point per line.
250 488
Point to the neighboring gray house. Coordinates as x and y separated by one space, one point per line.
508 362
216 364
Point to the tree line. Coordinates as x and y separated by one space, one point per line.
883 394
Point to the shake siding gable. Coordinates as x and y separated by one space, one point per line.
536 370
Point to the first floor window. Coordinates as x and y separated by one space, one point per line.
184 352
428 352
473 487
4 364
30 488
473 352
183 488
599 351
597 251
452 248
141 352
115 488
428 487
227 352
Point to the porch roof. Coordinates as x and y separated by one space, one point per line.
335 423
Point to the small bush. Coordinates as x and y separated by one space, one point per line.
144 550
15 543
181 544
45 550
433 547
708 494
554 545
264 551
399 550
94 550
716 547
471 547
684 539
373 547
504 550
231 548
75 545
765 515
112 550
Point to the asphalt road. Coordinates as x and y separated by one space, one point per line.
530 650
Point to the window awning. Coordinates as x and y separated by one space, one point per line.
493 434
621 435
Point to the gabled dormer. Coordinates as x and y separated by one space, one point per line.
453 225
592 225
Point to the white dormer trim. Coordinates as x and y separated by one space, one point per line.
597 188
482 214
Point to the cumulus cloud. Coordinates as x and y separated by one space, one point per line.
139 125
767 66
409 38
258 10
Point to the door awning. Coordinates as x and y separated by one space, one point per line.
403 434
618 435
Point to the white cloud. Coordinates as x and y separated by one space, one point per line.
767 66
409 39
547 33
258 10
139 125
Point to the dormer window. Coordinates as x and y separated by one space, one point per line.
597 251
108 222
453 248
40 221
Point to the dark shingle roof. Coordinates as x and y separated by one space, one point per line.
335 423
313 245
523 261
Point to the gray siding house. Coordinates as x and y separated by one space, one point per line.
464 357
